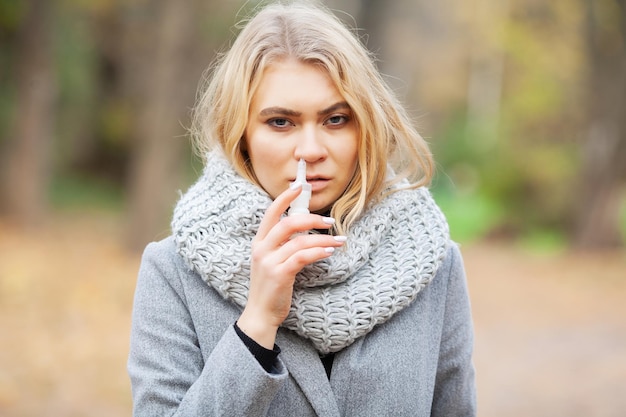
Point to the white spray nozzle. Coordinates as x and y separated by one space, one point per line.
301 204
301 174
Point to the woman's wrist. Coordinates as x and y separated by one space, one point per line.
265 357
257 329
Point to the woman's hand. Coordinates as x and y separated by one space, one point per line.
276 259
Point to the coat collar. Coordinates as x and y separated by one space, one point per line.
304 365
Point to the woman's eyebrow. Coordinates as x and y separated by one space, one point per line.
342 105
272 111
277 110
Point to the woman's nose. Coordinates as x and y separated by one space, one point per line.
310 145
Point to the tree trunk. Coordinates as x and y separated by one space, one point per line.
373 15
27 159
162 77
604 152
486 71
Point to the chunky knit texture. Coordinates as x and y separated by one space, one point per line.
392 252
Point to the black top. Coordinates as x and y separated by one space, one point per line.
267 357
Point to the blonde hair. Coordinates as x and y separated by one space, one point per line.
312 34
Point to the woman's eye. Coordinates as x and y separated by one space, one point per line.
280 123
336 120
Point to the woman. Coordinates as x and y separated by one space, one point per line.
358 308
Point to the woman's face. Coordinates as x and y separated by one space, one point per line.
298 113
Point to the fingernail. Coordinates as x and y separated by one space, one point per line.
294 185
329 250
328 220
340 238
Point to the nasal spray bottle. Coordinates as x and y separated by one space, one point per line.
301 204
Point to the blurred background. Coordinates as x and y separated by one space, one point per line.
522 101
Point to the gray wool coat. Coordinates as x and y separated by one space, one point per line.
187 360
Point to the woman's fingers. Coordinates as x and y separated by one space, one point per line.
276 229
289 227
275 211
286 260
306 249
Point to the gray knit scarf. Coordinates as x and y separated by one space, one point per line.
392 252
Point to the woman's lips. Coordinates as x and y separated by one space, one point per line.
318 184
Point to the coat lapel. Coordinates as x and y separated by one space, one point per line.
305 366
